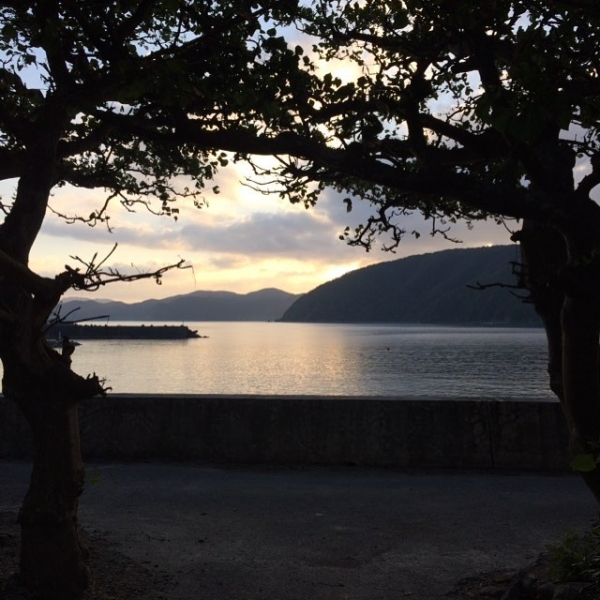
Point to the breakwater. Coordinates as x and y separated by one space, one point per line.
76 331
308 430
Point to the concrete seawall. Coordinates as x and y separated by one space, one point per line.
290 430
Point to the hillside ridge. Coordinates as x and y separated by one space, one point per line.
268 304
426 288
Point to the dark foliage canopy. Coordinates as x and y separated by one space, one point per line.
452 108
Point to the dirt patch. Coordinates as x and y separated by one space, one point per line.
483 586
114 575
531 583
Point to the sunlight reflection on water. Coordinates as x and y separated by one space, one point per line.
324 359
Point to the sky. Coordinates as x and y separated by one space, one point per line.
242 242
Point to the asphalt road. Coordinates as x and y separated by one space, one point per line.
320 533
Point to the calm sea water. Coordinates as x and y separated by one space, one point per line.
355 360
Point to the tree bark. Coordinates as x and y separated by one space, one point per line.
562 273
543 257
581 376
40 381
53 562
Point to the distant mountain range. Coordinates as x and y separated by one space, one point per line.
263 305
428 288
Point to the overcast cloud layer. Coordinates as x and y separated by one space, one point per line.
244 241
231 247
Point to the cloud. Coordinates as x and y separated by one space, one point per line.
227 240
275 234
333 209
300 233
242 242
137 235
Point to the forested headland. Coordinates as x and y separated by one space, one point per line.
435 288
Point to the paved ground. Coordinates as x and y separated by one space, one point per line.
320 533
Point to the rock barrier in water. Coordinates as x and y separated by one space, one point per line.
76 331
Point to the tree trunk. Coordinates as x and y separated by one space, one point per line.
581 377
53 560
543 257
40 381
563 277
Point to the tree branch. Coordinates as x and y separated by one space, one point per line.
21 275
96 275
12 163
488 141
90 142
491 197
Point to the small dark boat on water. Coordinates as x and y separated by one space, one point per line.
76 331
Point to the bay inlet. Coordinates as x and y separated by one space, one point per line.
326 359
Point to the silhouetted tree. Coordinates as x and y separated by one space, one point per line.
472 110
458 110
73 74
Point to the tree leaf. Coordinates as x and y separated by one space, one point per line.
584 463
